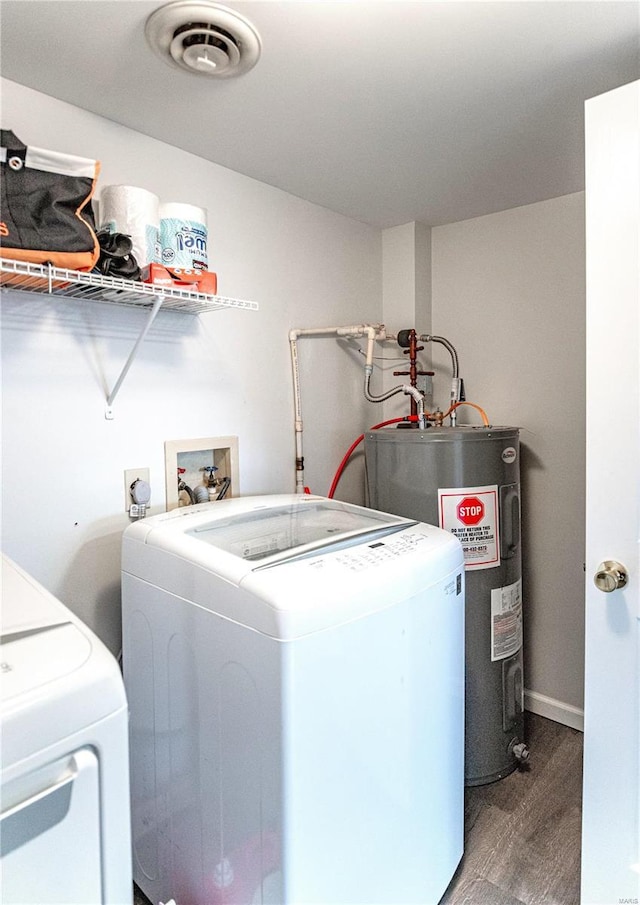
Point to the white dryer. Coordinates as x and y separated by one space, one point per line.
295 673
65 824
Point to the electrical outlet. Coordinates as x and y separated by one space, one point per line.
131 475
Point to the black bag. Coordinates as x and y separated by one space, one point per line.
45 206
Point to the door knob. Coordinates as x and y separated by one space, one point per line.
610 576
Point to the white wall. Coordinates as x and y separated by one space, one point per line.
406 301
508 290
222 373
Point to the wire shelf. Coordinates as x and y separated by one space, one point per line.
44 279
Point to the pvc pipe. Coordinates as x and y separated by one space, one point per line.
371 331
354 330
415 393
297 405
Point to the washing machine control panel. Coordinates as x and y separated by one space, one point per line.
379 552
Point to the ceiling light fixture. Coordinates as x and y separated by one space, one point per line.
203 38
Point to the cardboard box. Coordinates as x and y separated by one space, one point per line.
176 278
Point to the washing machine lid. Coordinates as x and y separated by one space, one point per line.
292 529
234 537
55 671
39 641
58 678
27 609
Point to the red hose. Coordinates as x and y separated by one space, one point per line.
355 444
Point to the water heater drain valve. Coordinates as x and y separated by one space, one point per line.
520 751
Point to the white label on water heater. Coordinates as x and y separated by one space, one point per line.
471 515
506 620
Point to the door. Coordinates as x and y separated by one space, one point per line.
610 856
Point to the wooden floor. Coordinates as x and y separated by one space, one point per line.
522 834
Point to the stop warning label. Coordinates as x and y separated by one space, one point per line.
470 510
471 514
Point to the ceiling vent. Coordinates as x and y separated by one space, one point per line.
204 38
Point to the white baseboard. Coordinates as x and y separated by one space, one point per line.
558 711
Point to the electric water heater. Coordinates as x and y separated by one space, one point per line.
467 481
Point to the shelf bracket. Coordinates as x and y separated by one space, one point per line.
56 281
157 304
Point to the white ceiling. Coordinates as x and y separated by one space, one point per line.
384 110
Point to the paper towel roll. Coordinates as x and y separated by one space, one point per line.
183 236
136 212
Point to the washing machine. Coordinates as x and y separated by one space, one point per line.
295 673
65 822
